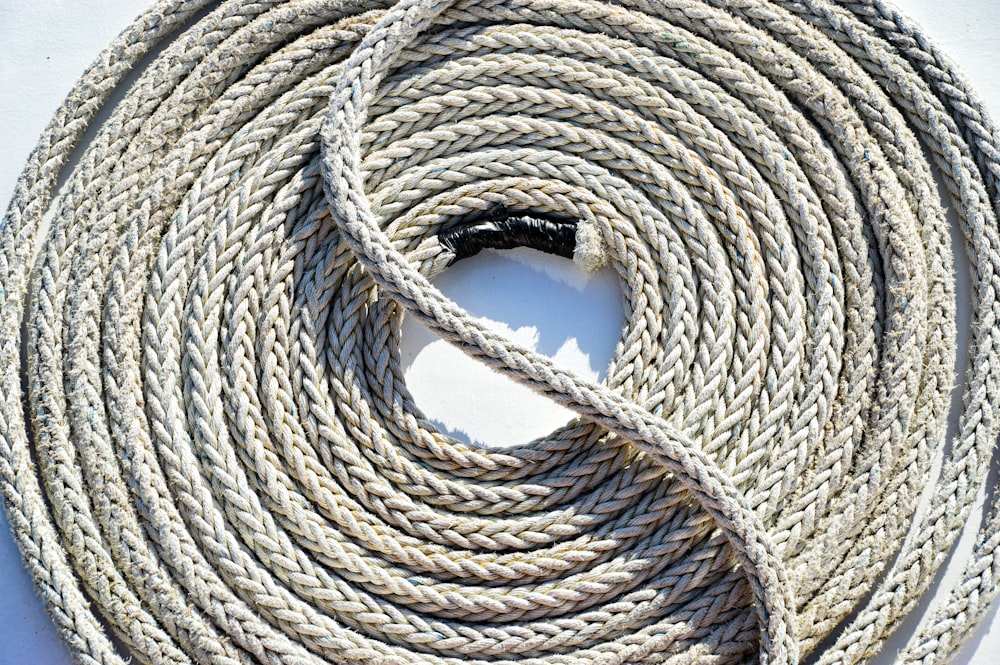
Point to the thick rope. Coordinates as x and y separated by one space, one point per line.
208 449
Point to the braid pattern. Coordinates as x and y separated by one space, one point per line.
209 454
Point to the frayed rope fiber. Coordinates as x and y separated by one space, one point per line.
208 450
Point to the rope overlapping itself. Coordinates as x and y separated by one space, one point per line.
208 450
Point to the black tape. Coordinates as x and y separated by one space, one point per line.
498 229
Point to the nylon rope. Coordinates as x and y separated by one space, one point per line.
209 453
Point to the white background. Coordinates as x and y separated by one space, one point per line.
45 46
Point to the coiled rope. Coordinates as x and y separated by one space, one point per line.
213 456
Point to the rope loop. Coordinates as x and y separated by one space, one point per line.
209 452
344 185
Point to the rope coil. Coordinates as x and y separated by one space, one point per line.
210 452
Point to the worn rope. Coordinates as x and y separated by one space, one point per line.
210 455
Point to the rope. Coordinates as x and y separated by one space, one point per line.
209 453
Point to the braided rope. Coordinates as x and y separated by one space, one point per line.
210 452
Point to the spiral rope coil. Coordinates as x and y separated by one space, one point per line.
208 448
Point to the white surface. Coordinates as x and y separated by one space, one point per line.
44 47
549 306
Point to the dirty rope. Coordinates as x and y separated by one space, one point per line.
208 449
